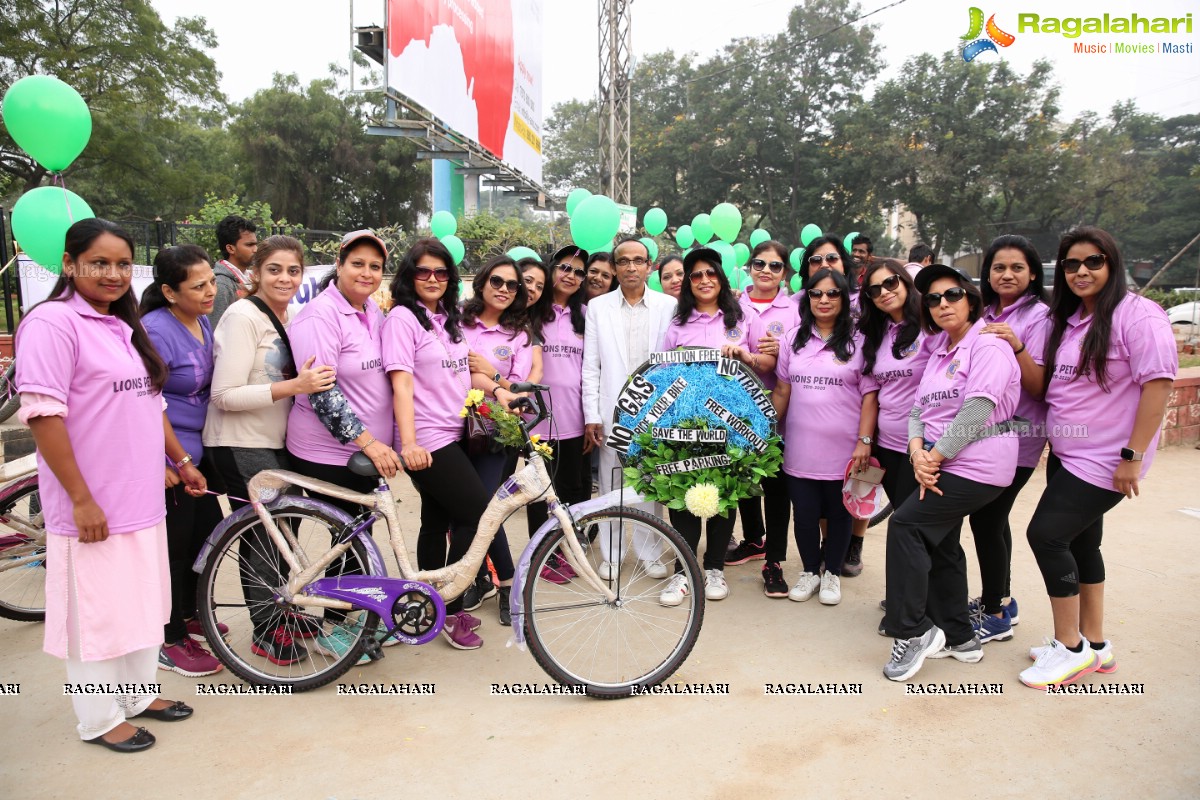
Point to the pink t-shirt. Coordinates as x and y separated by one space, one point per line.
331 329
87 361
1087 425
440 370
562 371
821 427
512 356
898 379
708 330
1029 320
777 317
980 365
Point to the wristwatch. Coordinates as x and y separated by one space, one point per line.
866 439
1131 455
183 462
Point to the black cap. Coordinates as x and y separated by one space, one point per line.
929 274
570 251
707 253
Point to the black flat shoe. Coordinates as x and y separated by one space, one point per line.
172 713
142 739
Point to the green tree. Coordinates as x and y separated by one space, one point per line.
572 147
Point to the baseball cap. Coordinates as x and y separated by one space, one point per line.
354 237
570 251
925 278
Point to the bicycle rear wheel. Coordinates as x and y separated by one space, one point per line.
581 639
268 643
22 554
10 401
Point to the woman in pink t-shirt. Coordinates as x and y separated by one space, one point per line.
601 275
91 391
1110 361
670 274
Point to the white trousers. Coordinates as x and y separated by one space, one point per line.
612 542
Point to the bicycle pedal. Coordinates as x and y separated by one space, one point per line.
373 650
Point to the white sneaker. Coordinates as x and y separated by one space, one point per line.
607 570
715 587
1108 661
806 585
831 589
676 590
655 568
1057 665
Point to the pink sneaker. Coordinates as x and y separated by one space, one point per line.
458 633
188 658
473 622
196 630
557 570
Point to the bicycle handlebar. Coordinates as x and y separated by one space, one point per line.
539 405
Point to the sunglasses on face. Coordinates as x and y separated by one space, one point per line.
828 258
496 282
1093 262
701 274
758 265
832 294
567 269
441 274
890 283
934 299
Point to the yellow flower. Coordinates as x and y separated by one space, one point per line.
462 412
544 450
537 437
703 500
474 397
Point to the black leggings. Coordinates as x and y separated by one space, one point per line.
719 531
778 509
568 470
993 543
189 522
813 501
452 499
1066 530
898 478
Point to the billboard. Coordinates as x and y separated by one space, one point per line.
477 66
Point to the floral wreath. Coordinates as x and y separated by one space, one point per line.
505 426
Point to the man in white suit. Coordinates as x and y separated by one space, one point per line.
623 328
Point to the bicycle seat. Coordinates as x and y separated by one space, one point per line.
360 464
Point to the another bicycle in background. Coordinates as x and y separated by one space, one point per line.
22 542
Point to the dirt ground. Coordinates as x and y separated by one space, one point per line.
880 742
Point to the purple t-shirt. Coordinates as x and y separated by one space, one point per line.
562 371
1030 321
821 427
898 379
980 365
777 318
191 364
708 330
512 356
331 329
86 360
1087 425
440 370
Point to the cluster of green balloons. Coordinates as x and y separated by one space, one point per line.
595 219
50 121
444 226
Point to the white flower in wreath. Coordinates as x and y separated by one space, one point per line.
703 500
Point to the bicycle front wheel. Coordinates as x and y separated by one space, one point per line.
23 555
582 639
261 640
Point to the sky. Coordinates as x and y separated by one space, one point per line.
259 37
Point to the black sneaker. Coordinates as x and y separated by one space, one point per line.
852 567
278 647
477 592
303 626
745 551
505 593
773 583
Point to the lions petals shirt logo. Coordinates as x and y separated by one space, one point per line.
952 368
976 44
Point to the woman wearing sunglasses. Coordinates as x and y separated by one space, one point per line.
1110 363
427 359
828 408
670 274
709 316
501 352
765 301
557 320
963 457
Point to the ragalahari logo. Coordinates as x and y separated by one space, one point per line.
977 45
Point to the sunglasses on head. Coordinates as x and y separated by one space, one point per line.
828 258
701 274
953 295
891 283
496 282
832 294
759 265
567 269
440 274
1093 262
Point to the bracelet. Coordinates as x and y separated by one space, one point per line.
1018 352
368 444
183 462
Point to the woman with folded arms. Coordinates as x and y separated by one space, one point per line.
1110 364
670 274
963 457
828 410
709 316
776 313
90 383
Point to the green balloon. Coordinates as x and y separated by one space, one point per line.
742 252
48 119
517 253
758 237
728 257
40 219
795 283
651 247
595 222
808 233
743 279
443 224
655 281
726 222
794 258
576 197
684 236
702 228
456 247
655 221
848 242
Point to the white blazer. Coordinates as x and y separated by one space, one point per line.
604 367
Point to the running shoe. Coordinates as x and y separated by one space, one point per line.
278 647
806 586
1108 662
676 590
909 654
991 629
968 652
1057 666
774 585
852 567
188 658
715 587
457 632
831 590
745 551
